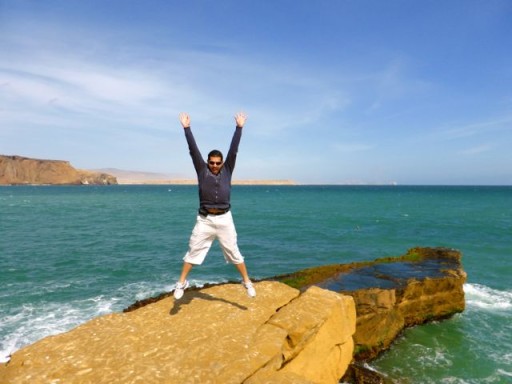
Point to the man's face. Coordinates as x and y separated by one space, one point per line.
215 164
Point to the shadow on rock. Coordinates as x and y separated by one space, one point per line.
187 299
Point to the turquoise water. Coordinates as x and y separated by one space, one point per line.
68 254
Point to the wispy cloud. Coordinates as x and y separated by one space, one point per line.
352 147
473 129
476 150
392 81
204 82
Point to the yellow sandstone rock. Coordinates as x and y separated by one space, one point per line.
213 335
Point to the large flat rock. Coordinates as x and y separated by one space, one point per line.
213 335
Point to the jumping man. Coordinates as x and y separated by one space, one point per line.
214 219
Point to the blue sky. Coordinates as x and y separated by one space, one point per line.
337 92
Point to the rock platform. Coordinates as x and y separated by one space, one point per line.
426 284
212 335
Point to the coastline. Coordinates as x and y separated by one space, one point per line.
122 181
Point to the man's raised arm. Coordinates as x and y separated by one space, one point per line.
197 158
240 119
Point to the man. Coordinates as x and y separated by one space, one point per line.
214 219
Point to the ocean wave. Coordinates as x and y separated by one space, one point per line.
505 373
32 322
484 297
507 359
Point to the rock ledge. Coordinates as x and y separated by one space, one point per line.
393 293
213 335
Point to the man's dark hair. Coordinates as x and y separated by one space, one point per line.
215 153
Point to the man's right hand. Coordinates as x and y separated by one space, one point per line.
185 120
240 118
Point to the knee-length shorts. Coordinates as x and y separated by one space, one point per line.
207 229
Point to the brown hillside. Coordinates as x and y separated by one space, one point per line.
16 170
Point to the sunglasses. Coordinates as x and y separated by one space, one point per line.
215 162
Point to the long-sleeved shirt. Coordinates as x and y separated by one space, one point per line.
214 190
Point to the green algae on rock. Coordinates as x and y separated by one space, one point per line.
392 293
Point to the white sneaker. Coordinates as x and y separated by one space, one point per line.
180 289
251 292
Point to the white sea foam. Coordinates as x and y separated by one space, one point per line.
433 357
507 359
454 380
483 297
36 321
504 373
143 290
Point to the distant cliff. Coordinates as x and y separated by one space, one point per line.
17 170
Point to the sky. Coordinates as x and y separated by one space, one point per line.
336 91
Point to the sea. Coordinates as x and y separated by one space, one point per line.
72 253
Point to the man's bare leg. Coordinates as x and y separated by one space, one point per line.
182 284
184 271
243 272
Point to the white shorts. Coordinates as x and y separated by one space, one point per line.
206 230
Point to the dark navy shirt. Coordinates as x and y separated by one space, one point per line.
214 190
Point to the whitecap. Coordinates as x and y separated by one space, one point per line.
484 297
434 357
454 380
507 358
142 290
103 305
504 373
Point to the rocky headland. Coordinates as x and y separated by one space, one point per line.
311 326
391 294
18 170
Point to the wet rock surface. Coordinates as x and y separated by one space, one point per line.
391 294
